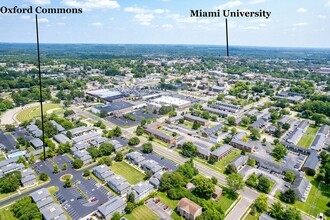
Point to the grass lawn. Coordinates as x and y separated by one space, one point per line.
305 141
169 202
221 164
317 199
131 174
225 201
6 214
2 157
30 113
251 217
142 213
312 130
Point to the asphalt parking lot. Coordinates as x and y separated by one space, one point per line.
7 140
21 132
139 115
163 162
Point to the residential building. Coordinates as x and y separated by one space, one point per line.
84 156
28 177
135 158
36 143
239 161
40 195
61 139
217 111
312 162
301 186
188 209
193 118
142 190
115 204
151 165
102 172
203 152
53 212
154 182
119 184
210 131
247 146
58 126
160 135
222 151
80 131
225 107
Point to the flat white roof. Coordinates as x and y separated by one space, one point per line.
171 101
104 93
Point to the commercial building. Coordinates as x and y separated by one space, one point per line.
107 95
117 108
172 101
115 204
188 209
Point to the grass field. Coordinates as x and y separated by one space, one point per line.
142 213
30 113
305 141
221 164
2 157
6 214
312 130
317 199
131 174
169 202
226 201
251 217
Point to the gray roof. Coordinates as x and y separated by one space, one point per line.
303 125
295 136
159 133
80 130
312 161
258 123
239 135
111 206
239 161
136 156
54 211
115 106
116 180
195 118
203 151
216 111
82 155
8 161
36 152
27 172
324 130
40 194
221 150
159 174
284 119
173 119
318 142
12 167
58 126
300 185
101 169
44 202
142 187
242 143
61 138
154 181
86 137
32 127
36 142
28 178
212 130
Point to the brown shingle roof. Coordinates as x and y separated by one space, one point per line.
189 206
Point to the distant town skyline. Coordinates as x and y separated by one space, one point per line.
291 24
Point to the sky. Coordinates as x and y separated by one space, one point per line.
294 23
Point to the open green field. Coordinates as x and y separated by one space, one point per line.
305 141
225 201
6 214
312 130
2 157
131 174
142 213
30 113
317 199
221 164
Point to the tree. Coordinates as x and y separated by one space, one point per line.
147 148
77 163
106 149
311 172
68 182
104 160
94 152
214 180
251 162
255 133
10 182
69 134
318 118
246 121
204 187
119 156
9 127
139 131
252 180
86 173
277 211
196 125
289 196
189 149
231 120
65 166
131 198
148 174
116 216
235 182
151 137
129 207
279 151
289 176
213 159
56 169
171 181
210 213
32 159
103 113
225 128
133 141
286 126
233 131
230 168
24 209
261 203
117 131
264 184
292 214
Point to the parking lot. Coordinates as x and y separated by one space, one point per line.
162 210
8 141
139 115
163 162
293 160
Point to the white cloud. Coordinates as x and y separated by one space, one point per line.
43 20
167 26
322 16
251 28
92 4
254 2
300 24
301 10
135 10
160 11
96 24
40 2
25 17
327 4
230 4
144 19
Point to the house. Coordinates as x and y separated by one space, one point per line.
210 131
53 212
203 152
159 175
222 151
117 145
188 209
151 165
28 178
247 146
160 135
283 120
154 182
34 130
58 126
10 167
119 184
135 158
98 141
217 192
193 118
115 204
61 139
239 161
41 197
260 124
320 138
87 137
102 172
36 143
80 131
301 186
142 190
84 156
312 162
79 147
295 136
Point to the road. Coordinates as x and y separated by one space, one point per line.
248 195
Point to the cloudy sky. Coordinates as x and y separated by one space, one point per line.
294 23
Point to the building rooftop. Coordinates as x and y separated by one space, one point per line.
115 106
189 206
221 150
111 206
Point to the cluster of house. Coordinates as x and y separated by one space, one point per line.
153 129
320 138
46 205
218 153
298 132
10 165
